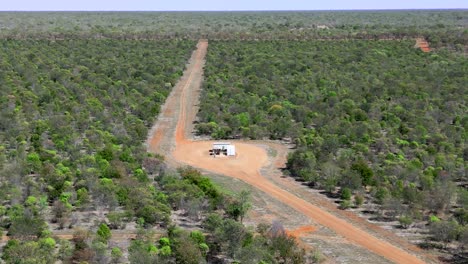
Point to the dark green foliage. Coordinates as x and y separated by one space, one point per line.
77 97
78 112
302 164
24 222
212 222
106 153
209 189
346 194
271 244
103 233
231 236
143 251
284 247
153 214
441 27
405 221
461 215
238 206
377 117
363 169
381 194
27 252
444 231
187 252
186 246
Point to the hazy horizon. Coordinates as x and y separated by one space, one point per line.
240 5
220 11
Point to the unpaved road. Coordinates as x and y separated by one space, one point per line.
422 44
170 137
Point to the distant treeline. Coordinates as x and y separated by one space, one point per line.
441 27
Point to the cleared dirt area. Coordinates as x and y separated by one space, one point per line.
422 44
170 137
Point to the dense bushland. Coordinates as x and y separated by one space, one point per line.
372 119
441 27
73 118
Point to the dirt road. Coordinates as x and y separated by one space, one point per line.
171 139
422 44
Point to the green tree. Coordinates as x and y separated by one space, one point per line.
284 247
346 194
301 163
405 221
238 207
34 162
366 173
358 200
29 252
116 254
141 251
187 252
103 233
444 231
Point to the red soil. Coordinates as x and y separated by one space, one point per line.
422 44
246 167
301 230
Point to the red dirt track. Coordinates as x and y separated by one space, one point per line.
173 141
422 44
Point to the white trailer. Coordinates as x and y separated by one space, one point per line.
225 147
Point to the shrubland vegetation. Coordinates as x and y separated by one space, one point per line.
441 27
73 118
374 121
223 237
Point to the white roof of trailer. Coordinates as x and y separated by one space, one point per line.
222 143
